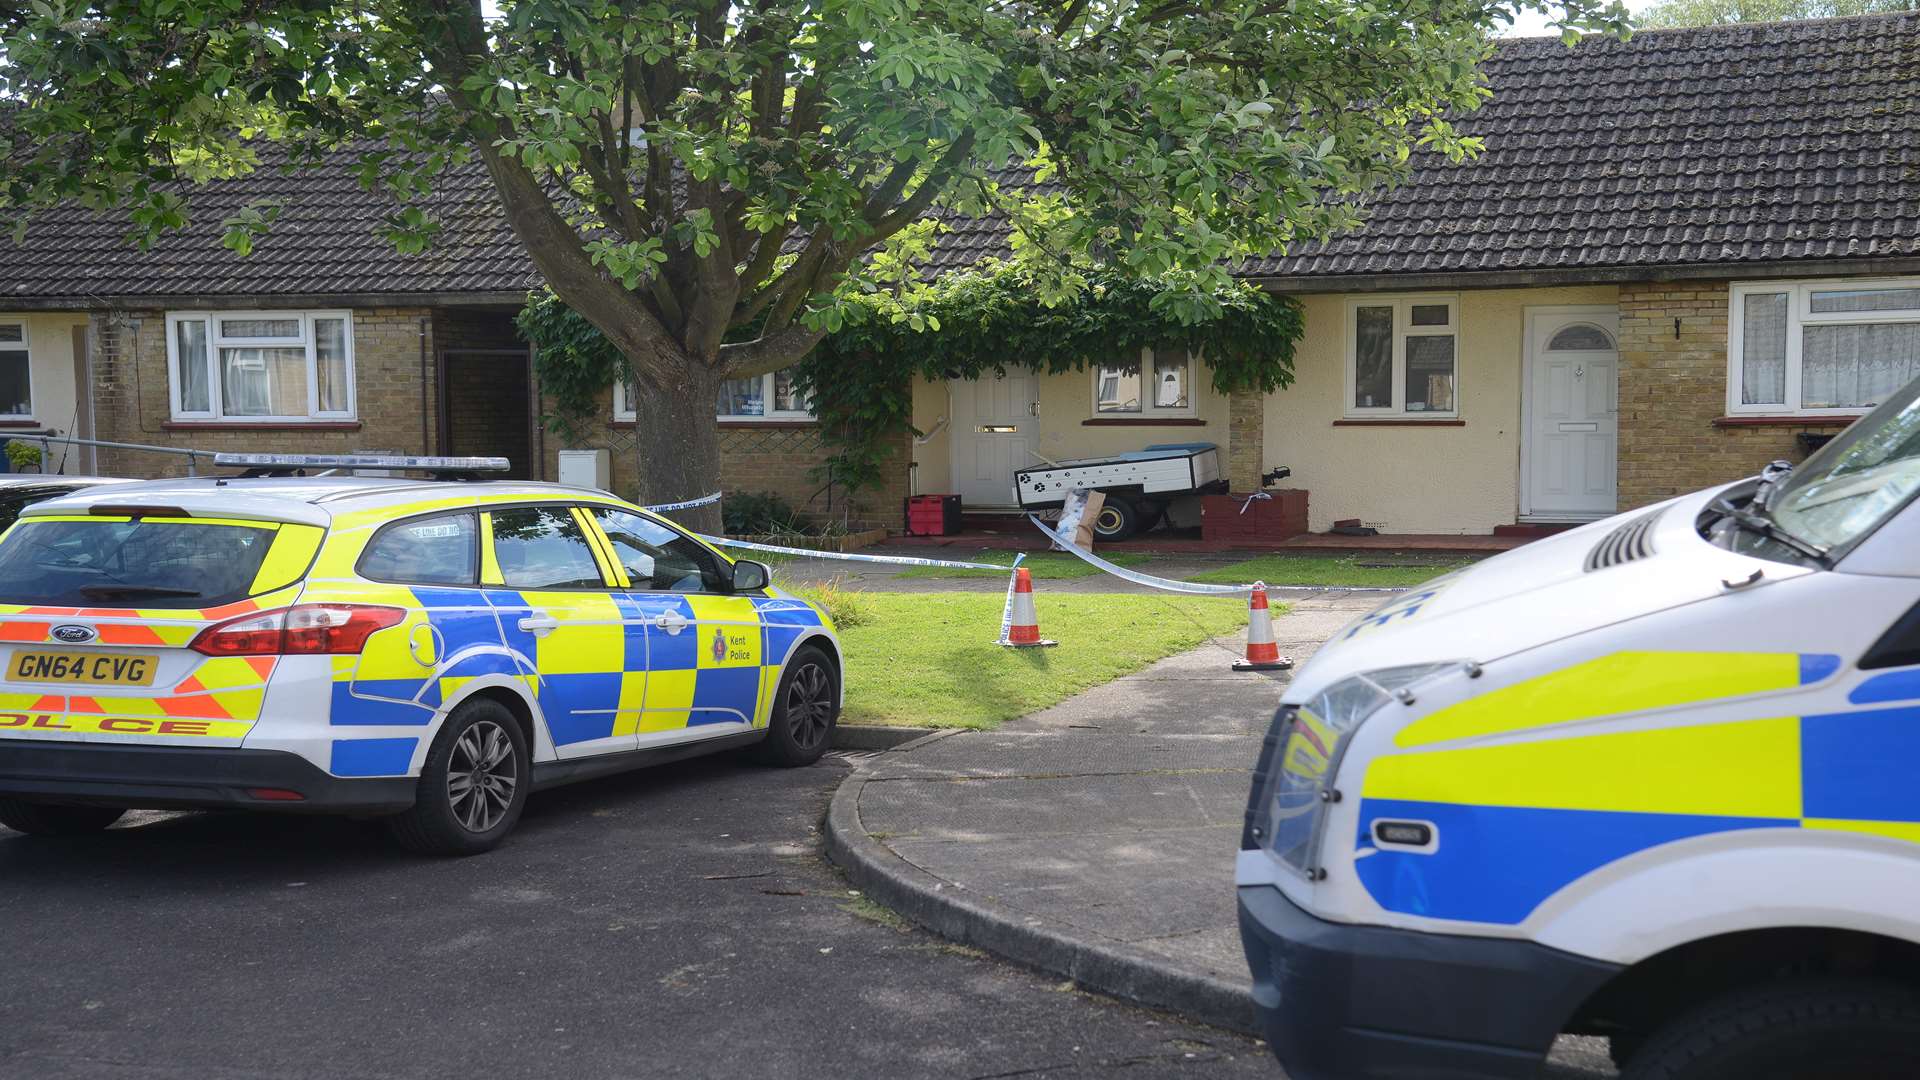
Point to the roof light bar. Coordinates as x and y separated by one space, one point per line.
361 461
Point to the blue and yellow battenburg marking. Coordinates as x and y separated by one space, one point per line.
610 669
1398 609
1517 820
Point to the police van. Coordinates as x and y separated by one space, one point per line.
1655 779
428 651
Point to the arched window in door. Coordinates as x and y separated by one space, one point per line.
1580 337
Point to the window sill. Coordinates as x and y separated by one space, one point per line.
1785 421
1448 421
725 424
13 424
261 425
1144 421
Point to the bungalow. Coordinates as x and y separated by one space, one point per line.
1677 259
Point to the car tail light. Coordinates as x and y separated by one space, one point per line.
302 630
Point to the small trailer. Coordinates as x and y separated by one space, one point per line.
1142 488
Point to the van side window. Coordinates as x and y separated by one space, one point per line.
1898 647
659 559
443 549
542 547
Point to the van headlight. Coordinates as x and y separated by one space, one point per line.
1308 739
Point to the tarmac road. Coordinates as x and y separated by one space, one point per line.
675 922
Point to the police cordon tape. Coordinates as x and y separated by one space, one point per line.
1060 540
704 500
1195 587
813 553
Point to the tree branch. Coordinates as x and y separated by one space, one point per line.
769 352
550 241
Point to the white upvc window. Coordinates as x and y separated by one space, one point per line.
1821 348
756 397
1403 357
289 366
16 370
1160 385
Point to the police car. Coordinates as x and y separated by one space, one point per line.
1656 778
427 651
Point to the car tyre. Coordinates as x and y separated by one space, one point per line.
1118 519
473 785
52 819
1823 1029
806 707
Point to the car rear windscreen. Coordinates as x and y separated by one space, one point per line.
142 563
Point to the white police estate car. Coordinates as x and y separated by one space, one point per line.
430 651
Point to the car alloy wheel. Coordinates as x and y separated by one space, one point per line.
482 776
809 705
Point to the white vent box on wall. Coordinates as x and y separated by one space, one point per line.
585 468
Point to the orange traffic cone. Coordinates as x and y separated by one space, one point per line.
1023 629
1263 653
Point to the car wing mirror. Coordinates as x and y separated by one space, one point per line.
750 576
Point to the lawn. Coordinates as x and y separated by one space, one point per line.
928 659
1046 565
1366 568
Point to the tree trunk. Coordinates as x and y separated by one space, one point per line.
678 443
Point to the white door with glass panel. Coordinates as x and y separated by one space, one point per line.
1572 434
993 427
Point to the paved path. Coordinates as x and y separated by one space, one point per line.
1096 838
675 922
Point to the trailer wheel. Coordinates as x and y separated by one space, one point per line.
1118 519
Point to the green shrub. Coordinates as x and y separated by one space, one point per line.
845 607
762 514
22 455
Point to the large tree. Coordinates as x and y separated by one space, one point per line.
1670 13
700 178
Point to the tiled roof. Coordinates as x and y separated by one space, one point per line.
1762 143
1737 144
1766 142
326 242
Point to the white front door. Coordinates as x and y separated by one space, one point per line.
1567 461
993 429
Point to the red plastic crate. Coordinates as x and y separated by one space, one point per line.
933 515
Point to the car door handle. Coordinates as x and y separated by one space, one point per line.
672 622
539 625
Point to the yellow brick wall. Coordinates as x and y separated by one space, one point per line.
133 404
777 458
1673 387
1246 440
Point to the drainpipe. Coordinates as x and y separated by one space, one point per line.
426 447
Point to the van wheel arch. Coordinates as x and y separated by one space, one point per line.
1643 998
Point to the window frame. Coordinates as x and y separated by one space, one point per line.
625 413
722 565
1147 411
24 347
481 538
309 341
1403 328
589 531
1799 316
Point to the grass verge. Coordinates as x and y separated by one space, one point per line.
928 659
1377 569
1046 565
